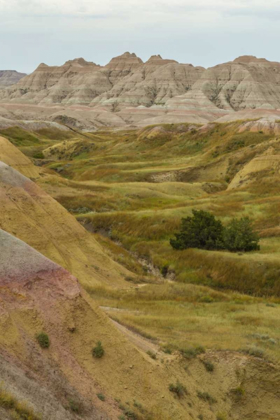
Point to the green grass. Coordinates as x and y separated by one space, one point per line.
173 313
20 137
132 187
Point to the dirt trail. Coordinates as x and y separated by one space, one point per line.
136 339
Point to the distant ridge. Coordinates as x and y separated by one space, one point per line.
128 91
9 77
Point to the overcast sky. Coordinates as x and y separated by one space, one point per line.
201 32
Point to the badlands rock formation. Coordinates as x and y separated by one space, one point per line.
9 77
128 91
126 79
245 83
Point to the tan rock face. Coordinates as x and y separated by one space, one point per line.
74 82
152 83
128 91
245 83
126 79
122 66
9 77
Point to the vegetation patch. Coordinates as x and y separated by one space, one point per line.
101 397
208 365
75 406
192 352
98 351
205 396
20 137
18 409
43 340
221 416
254 351
178 389
152 354
203 231
238 392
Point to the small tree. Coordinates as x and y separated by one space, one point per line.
43 340
240 236
98 351
201 230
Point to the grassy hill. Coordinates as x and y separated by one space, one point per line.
198 316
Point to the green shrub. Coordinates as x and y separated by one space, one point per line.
208 366
152 355
199 349
98 351
130 414
206 397
254 351
240 236
201 230
178 389
164 270
238 392
192 352
139 406
43 340
206 299
101 397
75 407
167 349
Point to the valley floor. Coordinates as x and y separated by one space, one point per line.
130 189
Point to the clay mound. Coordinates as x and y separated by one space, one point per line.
251 114
157 59
269 161
69 149
126 78
13 178
245 83
70 83
129 92
10 77
266 125
154 82
247 59
21 266
12 156
122 65
58 235
86 118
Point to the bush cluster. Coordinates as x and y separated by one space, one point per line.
204 231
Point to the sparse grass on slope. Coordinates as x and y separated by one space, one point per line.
18 410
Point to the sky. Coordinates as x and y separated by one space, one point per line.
201 32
